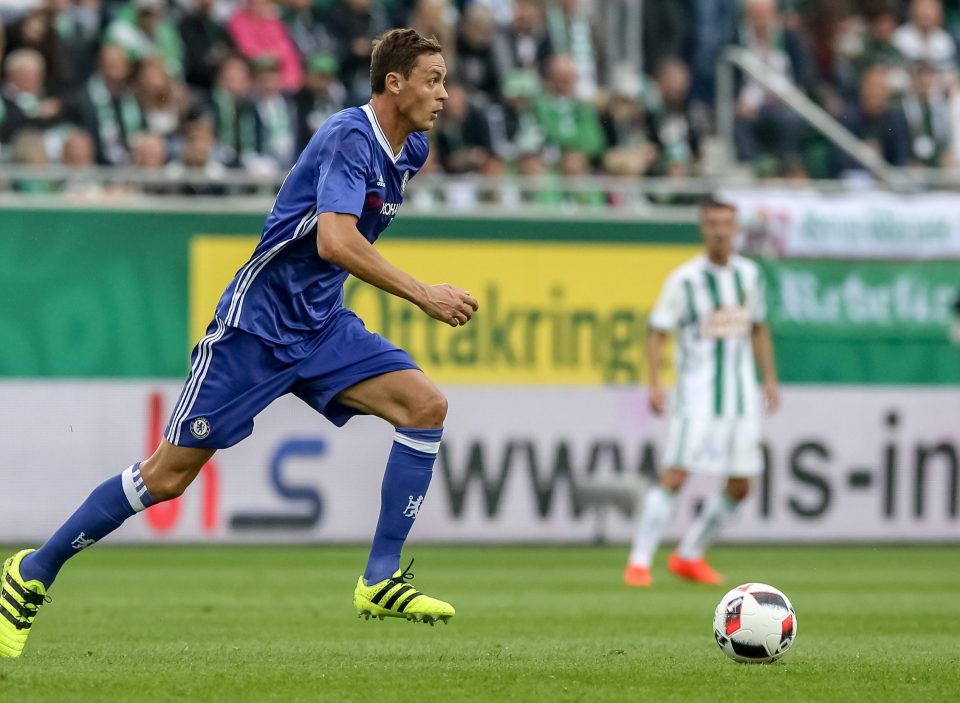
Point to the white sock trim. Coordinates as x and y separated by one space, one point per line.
417 444
130 490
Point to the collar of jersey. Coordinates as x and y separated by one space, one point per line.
378 133
717 267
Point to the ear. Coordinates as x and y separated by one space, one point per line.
393 82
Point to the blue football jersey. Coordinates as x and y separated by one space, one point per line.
286 291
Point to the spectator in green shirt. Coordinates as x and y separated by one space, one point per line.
143 29
570 124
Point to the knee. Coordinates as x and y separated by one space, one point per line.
738 489
165 484
672 479
430 410
166 479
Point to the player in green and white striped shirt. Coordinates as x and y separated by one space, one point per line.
715 304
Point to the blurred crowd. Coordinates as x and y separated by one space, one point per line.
536 87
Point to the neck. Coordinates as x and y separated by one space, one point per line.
395 128
764 34
718 259
113 87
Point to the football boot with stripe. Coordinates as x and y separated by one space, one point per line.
396 598
19 602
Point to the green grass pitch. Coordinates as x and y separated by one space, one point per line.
533 624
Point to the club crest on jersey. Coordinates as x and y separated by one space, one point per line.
200 427
403 183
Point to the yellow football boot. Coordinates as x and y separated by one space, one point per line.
395 598
19 602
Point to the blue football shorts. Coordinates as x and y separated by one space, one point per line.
234 375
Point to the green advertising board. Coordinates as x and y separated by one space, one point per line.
104 294
858 321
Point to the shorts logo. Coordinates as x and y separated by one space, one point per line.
200 427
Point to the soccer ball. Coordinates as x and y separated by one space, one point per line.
755 623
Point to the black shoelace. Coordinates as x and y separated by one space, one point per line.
407 575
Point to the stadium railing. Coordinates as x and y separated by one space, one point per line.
441 194
734 58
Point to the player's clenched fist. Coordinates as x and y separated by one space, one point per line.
449 304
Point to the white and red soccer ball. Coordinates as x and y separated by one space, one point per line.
755 623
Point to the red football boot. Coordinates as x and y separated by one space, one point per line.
693 570
637 575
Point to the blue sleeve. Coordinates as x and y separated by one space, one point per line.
343 160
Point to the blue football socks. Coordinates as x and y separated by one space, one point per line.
104 510
405 482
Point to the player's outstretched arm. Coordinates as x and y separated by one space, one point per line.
340 243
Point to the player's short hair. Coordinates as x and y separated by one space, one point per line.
397 51
712 202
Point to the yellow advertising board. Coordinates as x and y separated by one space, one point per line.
550 314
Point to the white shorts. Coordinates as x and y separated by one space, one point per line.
717 446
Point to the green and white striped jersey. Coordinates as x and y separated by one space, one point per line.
713 309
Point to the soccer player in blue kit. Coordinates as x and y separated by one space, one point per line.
281 327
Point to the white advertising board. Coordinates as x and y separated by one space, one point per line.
868 225
843 463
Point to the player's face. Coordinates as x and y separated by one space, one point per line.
718 226
422 95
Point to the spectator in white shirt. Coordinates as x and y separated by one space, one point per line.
925 39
